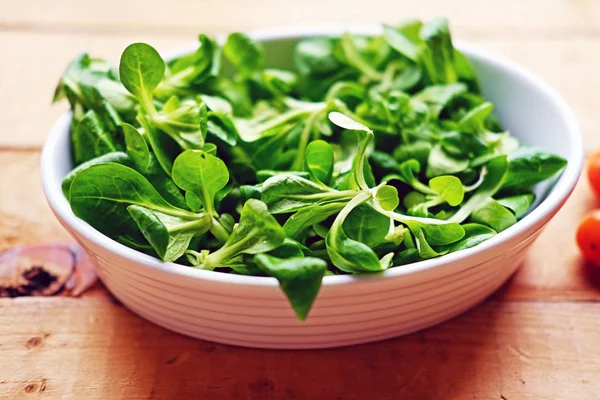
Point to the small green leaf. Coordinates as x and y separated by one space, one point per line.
166 233
399 42
137 148
91 139
299 278
285 193
364 224
319 160
193 201
257 232
350 255
496 173
141 71
474 235
439 235
201 173
441 163
519 204
244 53
494 215
449 188
345 122
387 196
310 215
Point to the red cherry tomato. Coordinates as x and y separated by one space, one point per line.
593 171
588 237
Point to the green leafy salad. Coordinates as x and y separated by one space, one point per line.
370 153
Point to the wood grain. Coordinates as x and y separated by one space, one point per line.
499 17
25 218
94 349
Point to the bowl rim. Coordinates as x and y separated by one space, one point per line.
559 193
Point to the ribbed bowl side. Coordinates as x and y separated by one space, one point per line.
263 318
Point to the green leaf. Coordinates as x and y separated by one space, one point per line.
474 235
141 70
91 139
288 193
308 216
441 163
437 97
278 81
449 188
497 168
222 127
399 42
257 232
169 235
387 196
319 161
418 150
354 58
163 183
438 55
288 249
494 215
101 194
350 255
424 248
440 235
137 148
117 157
163 146
366 225
184 121
474 120
193 201
217 104
345 122
528 166
519 204
299 278
244 53
315 56
201 173
191 69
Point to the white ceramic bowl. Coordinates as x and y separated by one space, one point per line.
251 311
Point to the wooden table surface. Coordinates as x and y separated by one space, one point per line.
537 338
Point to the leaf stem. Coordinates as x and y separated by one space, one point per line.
402 218
304 138
360 165
219 231
191 225
221 256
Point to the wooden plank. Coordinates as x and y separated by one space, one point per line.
94 349
568 65
502 17
25 218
